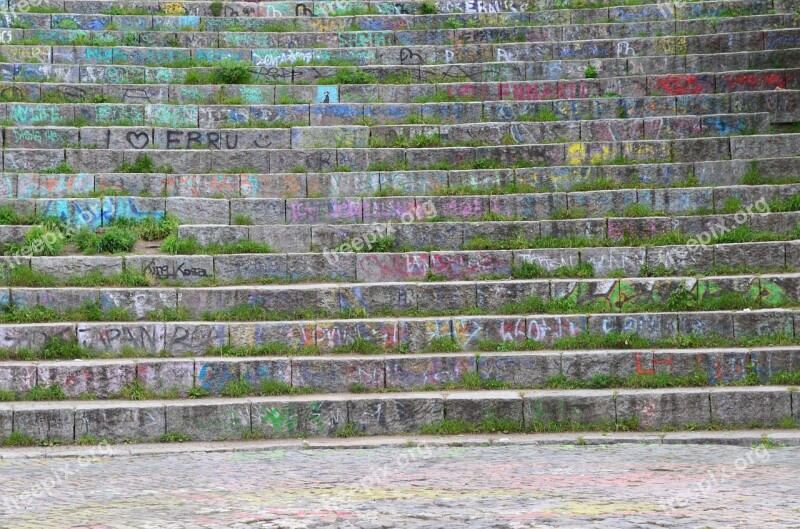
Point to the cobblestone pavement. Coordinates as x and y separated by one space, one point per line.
617 486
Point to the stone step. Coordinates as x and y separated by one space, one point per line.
166 36
411 54
783 106
489 207
109 379
471 235
763 257
316 16
376 296
400 413
507 69
119 77
365 159
491 234
453 265
360 136
734 175
396 334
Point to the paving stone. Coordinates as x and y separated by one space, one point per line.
655 326
495 294
214 234
764 256
18 377
769 362
607 261
258 210
392 266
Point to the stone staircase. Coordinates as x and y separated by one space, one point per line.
246 220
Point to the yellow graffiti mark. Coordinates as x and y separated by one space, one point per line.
680 46
173 8
575 153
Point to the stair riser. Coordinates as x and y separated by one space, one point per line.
394 415
108 379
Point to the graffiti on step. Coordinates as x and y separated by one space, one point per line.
141 337
173 270
482 6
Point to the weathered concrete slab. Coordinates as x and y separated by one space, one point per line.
120 422
208 420
395 414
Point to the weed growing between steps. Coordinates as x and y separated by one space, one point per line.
52 237
680 300
676 237
262 388
242 387
453 427
227 72
18 439
11 217
60 349
189 246
631 424
143 164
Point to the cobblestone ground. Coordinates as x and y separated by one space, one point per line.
620 486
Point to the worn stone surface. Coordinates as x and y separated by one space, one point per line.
762 406
752 497
337 374
398 414
664 409
275 418
137 421
98 378
55 422
208 420
426 371
472 408
542 410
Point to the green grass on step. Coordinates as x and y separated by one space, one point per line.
142 164
739 234
60 349
241 387
189 246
